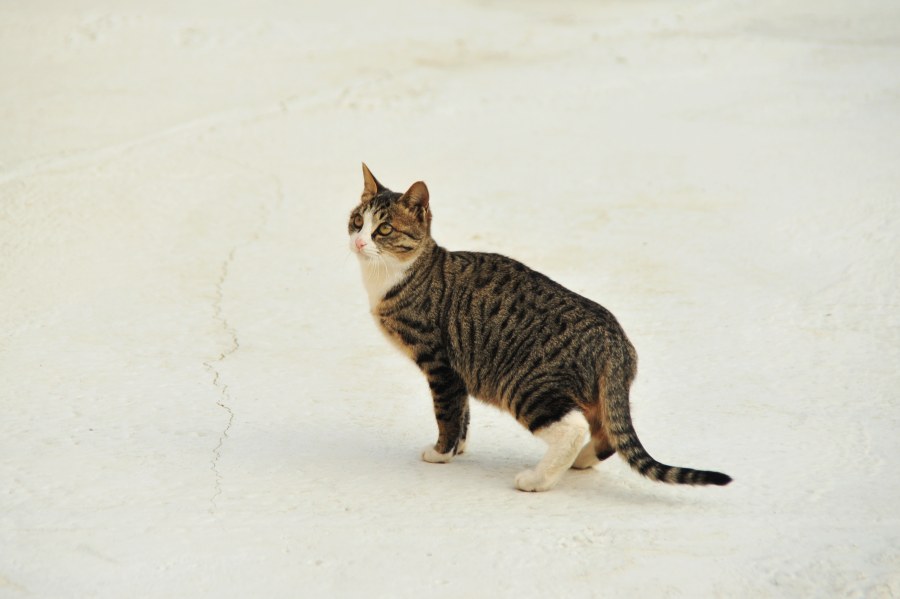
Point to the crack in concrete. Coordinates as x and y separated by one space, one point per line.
225 400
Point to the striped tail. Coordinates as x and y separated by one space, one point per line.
617 423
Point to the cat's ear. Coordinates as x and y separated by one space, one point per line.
371 186
416 197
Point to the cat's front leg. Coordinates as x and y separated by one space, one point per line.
461 447
451 411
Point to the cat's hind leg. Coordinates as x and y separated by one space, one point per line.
599 447
586 457
595 451
564 439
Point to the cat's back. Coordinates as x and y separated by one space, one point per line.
505 324
495 281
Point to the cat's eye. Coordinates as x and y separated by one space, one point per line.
385 229
358 221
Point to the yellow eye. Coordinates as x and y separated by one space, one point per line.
385 229
358 221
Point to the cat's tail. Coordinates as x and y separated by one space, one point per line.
615 414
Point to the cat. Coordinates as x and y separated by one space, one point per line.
487 326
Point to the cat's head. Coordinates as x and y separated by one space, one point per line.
387 224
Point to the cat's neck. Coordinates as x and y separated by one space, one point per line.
381 275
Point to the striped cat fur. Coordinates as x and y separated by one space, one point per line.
487 326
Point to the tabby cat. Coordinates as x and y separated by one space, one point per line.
487 326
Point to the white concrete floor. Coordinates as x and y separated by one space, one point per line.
196 403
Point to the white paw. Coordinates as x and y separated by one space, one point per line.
529 480
430 455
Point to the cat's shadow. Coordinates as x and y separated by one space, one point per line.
490 469
339 452
607 483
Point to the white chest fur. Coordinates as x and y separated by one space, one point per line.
379 276
377 284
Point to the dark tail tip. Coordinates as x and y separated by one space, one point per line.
716 478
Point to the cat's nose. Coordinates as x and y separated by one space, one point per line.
360 243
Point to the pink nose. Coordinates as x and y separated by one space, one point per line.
360 244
